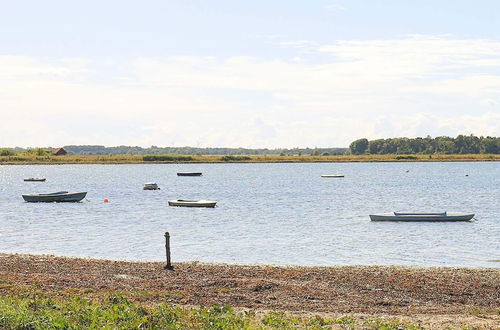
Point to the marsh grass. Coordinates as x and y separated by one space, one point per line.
138 159
28 311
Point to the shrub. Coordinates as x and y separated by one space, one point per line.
231 158
166 158
6 152
406 157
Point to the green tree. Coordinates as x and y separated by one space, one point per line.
6 152
490 145
359 147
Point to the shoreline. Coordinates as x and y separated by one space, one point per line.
241 159
426 294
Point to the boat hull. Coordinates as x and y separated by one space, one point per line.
189 174
35 180
56 197
422 217
192 203
150 186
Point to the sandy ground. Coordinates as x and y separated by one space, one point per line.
432 297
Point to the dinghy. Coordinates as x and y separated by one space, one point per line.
61 196
192 203
150 186
189 173
435 217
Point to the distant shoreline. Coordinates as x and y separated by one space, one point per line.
209 159
432 296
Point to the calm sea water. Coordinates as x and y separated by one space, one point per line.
266 214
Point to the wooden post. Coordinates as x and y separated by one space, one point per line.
167 251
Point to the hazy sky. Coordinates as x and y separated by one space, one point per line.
232 73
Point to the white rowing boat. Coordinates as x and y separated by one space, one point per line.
435 217
332 176
192 203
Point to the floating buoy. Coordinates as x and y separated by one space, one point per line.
106 200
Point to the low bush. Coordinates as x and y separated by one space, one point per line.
409 157
231 158
166 158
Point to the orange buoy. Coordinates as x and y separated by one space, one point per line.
106 200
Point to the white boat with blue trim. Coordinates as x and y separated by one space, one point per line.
434 217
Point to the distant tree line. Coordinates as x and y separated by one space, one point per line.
462 144
154 150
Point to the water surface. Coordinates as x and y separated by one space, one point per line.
266 214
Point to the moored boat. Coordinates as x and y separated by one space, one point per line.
192 203
189 173
35 179
150 186
61 196
332 176
434 217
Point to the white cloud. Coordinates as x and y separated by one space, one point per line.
375 88
335 7
490 102
22 67
475 85
297 43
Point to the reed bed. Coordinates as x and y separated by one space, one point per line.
140 159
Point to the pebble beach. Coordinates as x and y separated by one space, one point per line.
432 296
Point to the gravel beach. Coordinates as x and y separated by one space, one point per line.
431 295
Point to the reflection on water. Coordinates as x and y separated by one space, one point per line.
267 213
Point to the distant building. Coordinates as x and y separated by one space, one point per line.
59 152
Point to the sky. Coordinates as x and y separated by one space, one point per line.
255 74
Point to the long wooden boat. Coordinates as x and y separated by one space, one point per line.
35 179
61 196
192 203
434 217
189 173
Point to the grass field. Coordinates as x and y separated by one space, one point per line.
137 159
34 311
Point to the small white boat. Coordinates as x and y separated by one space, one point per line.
35 179
192 203
436 217
150 186
332 176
